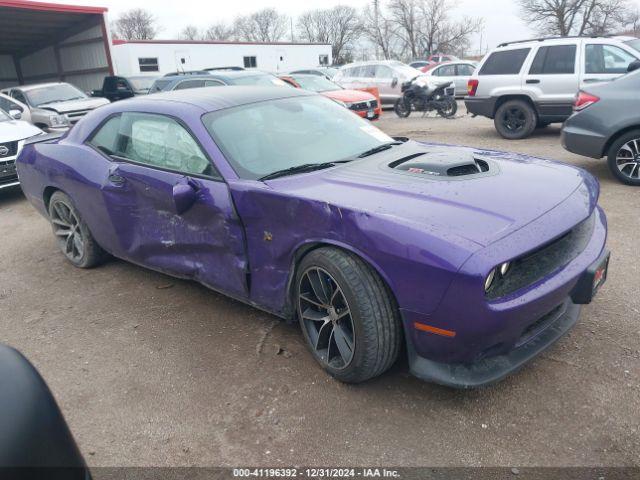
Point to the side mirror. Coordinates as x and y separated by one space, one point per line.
184 196
33 432
394 82
633 66
15 114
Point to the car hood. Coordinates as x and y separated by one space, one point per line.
13 130
350 96
75 105
481 208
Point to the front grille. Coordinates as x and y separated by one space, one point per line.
76 115
544 261
8 171
8 149
369 105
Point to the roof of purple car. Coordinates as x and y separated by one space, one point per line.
216 98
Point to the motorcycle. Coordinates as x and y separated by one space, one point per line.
422 94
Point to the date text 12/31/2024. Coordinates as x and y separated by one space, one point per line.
315 473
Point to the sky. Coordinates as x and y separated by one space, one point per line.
501 16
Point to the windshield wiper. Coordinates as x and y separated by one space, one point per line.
307 167
378 149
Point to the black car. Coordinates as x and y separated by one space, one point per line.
118 88
606 122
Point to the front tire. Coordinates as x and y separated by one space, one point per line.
515 119
450 109
401 109
624 158
72 233
347 315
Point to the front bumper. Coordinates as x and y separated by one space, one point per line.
493 369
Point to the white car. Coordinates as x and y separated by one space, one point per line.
458 72
386 75
13 133
55 107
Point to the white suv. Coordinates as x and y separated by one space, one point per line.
524 85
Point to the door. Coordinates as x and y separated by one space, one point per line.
167 206
463 74
604 62
387 83
553 80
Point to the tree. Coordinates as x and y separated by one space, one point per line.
219 31
439 32
379 29
574 17
265 25
191 32
135 24
340 26
405 15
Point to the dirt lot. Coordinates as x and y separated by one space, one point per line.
150 370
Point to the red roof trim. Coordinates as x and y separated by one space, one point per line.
207 42
51 7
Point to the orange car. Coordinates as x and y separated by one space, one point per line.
364 103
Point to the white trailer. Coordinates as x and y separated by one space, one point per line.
158 57
46 42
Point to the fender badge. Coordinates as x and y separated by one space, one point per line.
267 236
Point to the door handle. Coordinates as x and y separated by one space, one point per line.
116 179
533 81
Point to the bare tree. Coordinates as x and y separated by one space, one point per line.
574 17
191 32
219 31
405 14
340 26
439 31
135 24
265 25
379 29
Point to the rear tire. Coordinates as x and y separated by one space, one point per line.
347 314
624 158
515 119
401 109
72 233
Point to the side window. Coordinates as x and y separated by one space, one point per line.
189 84
607 59
368 71
356 72
18 96
153 140
446 71
554 60
507 62
7 105
213 83
465 70
382 71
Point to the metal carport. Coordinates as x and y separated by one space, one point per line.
45 42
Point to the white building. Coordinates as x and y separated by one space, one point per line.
155 57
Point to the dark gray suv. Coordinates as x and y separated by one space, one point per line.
606 122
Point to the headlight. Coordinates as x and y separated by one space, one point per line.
58 120
489 280
504 268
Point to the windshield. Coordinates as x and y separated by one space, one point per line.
53 93
141 83
264 80
159 85
4 117
315 83
635 44
288 133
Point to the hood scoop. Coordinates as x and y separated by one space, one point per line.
443 164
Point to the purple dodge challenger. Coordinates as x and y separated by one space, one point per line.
476 260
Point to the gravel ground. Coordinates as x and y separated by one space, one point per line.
150 370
